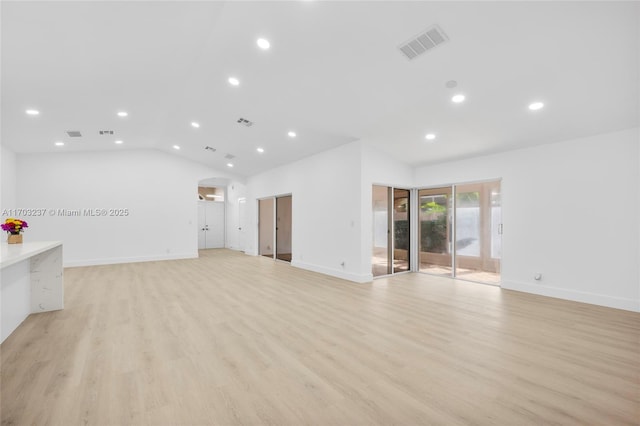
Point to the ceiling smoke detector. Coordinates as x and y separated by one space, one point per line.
423 42
245 122
74 133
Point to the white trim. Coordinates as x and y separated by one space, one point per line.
574 295
117 260
358 278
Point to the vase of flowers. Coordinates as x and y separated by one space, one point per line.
14 228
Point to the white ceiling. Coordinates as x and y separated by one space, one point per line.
334 74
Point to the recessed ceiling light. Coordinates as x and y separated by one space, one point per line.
122 114
536 106
213 196
458 98
260 150
263 43
59 143
430 136
32 112
194 124
176 147
229 164
292 134
118 142
234 81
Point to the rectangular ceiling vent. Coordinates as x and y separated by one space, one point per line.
423 42
229 156
74 133
106 132
245 122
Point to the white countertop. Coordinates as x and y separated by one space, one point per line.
14 253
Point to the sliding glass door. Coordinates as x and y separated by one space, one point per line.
460 236
401 225
391 230
381 254
435 230
459 231
478 239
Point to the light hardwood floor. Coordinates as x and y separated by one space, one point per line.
232 339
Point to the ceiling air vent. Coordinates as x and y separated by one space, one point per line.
427 40
245 122
229 156
106 132
74 133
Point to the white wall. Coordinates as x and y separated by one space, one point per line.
570 211
159 191
326 210
8 186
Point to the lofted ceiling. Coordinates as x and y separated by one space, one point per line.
334 74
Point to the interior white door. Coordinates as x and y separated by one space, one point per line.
210 224
242 217
215 224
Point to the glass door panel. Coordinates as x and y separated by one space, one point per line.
478 239
401 228
265 227
380 258
283 228
495 231
434 232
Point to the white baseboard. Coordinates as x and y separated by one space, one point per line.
577 296
350 276
135 259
